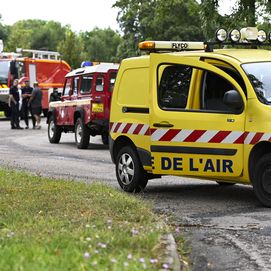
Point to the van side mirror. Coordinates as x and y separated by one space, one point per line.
233 99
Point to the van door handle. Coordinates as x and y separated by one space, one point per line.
97 101
163 125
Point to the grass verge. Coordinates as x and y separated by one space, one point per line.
51 224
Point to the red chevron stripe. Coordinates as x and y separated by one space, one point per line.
256 138
194 136
117 127
137 129
219 137
148 132
126 128
169 135
241 139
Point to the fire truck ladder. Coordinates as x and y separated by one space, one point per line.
43 54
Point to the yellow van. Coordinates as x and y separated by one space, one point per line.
190 110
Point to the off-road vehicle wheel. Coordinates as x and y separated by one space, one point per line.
81 134
54 131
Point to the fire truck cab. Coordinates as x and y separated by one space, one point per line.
44 66
84 105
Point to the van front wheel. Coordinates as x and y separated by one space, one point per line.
130 173
262 180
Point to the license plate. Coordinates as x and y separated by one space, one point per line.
97 107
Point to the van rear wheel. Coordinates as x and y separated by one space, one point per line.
262 180
130 173
81 134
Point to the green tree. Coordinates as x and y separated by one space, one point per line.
35 34
71 49
156 20
244 13
19 37
100 45
4 32
49 36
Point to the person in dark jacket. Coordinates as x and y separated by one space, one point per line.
14 98
26 94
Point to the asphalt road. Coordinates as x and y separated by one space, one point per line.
227 227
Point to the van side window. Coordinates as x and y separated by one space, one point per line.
213 89
86 84
99 83
174 87
67 88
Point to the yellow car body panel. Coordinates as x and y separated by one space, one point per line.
191 141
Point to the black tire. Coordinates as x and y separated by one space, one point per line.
225 184
54 131
81 134
262 180
105 138
130 173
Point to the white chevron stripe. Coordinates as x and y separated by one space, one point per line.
122 126
266 136
113 127
207 136
143 129
158 134
232 137
249 137
182 135
132 128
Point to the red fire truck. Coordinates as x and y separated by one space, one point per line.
84 106
44 66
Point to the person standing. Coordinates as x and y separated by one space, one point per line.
26 94
14 98
35 102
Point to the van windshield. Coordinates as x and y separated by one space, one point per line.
4 71
259 74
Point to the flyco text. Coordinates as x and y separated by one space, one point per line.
197 164
177 45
